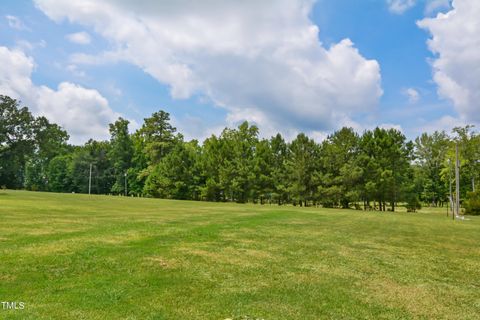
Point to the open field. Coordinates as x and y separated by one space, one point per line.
71 256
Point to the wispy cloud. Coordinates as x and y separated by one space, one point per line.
15 23
433 6
79 38
412 95
400 6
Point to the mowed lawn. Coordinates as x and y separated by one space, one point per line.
71 256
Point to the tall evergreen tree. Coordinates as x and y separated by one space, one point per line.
120 153
279 174
301 167
211 159
174 177
157 135
340 172
386 161
261 184
154 140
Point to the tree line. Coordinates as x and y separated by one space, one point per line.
375 170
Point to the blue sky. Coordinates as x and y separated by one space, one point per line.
400 47
284 65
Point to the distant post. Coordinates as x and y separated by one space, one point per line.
126 193
457 180
450 199
473 178
90 180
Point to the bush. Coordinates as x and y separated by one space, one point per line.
413 204
472 205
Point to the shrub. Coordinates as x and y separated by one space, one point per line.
472 205
413 204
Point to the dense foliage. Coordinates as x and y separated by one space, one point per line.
375 170
472 205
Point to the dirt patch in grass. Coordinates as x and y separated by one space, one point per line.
7 278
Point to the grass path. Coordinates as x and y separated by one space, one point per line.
70 256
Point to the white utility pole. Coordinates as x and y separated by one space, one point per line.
457 180
90 180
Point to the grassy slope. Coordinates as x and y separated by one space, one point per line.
74 256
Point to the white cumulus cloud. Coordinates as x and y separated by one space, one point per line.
260 60
455 41
83 112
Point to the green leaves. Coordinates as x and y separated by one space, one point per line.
472 205
120 153
27 144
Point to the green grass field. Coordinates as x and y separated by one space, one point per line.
71 256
